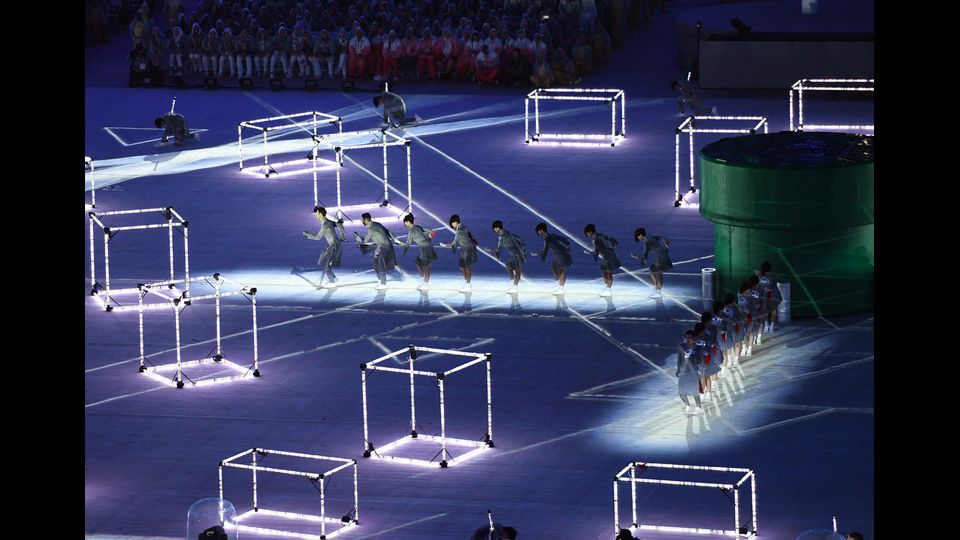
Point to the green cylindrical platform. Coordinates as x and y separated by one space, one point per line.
804 202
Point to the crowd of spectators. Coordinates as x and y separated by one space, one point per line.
509 42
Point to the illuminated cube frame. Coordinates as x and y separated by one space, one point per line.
830 85
317 119
411 351
174 221
88 163
386 139
348 521
575 94
629 474
180 303
689 126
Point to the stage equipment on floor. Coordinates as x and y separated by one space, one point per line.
266 125
379 138
803 201
634 474
609 96
212 519
180 303
173 221
689 126
828 85
319 481
446 458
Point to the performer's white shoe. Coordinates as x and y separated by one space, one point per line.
606 293
512 290
381 286
696 410
423 286
558 290
466 288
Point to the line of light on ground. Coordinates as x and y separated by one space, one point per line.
115 398
391 529
693 260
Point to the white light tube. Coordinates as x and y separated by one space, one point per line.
692 467
692 530
489 401
810 127
271 469
574 98
450 352
123 212
587 136
238 456
580 90
714 117
400 370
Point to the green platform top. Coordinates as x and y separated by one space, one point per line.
792 150
787 180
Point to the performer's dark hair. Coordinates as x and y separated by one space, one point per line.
590 228
497 224
408 217
541 227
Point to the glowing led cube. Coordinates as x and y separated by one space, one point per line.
633 474
446 458
345 522
575 139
